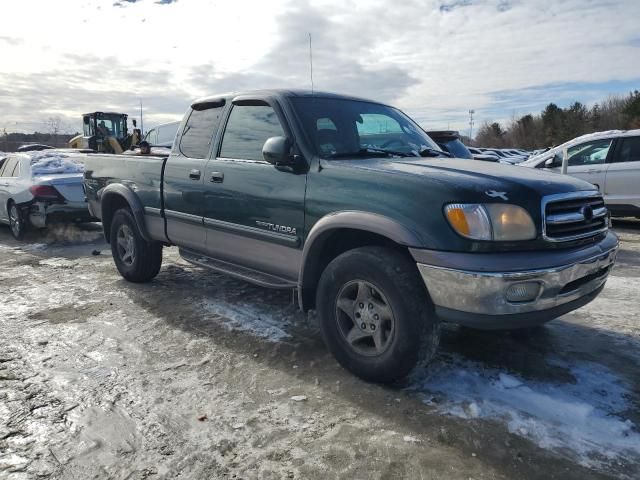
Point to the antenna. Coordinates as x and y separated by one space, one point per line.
141 124
311 62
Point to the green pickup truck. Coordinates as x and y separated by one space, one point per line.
350 203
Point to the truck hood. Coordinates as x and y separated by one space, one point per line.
474 175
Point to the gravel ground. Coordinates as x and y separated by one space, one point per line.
196 375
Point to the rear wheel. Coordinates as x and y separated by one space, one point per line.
375 315
17 223
136 259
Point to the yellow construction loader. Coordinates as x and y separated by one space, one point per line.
106 132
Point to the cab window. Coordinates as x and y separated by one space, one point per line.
9 166
150 137
629 150
590 153
166 134
199 132
249 126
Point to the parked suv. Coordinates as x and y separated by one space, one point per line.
351 204
609 160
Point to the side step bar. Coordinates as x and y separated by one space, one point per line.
243 273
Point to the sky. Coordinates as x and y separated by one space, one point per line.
434 59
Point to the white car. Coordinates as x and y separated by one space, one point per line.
39 188
609 160
162 135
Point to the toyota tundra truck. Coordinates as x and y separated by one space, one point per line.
351 204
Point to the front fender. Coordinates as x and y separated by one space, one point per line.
352 220
116 196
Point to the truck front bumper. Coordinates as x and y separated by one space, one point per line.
511 290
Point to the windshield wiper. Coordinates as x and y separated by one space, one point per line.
432 152
364 152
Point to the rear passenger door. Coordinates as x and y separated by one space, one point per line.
253 211
622 186
183 191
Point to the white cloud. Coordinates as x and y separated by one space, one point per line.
433 58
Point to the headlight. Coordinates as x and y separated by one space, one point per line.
491 221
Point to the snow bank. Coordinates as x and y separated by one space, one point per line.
584 419
49 162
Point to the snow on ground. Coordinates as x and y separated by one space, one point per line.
584 420
52 162
248 318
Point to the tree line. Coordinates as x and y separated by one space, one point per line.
555 125
9 142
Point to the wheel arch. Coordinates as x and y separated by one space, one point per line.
339 232
116 196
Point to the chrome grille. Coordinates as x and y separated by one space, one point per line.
573 216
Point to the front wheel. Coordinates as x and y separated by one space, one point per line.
136 259
17 223
375 315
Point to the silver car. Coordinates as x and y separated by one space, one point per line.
39 188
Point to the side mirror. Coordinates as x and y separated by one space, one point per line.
135 124
277 151
85 120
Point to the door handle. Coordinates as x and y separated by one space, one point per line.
194 174
217 177
594 170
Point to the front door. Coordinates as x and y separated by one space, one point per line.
253 211
184 179
588 161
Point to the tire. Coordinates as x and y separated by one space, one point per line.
375 284
137 260
17 222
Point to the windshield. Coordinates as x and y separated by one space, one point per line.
341 128
112 125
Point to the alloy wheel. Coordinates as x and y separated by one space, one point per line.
365 318
126 244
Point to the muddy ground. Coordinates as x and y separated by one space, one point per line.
199 376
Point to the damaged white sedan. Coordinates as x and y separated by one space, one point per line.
40 188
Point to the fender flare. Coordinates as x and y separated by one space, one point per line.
352 220
119 190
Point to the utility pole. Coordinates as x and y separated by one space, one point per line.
311 63
471 112
141 124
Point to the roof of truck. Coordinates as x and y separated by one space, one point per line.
281 93
105 113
